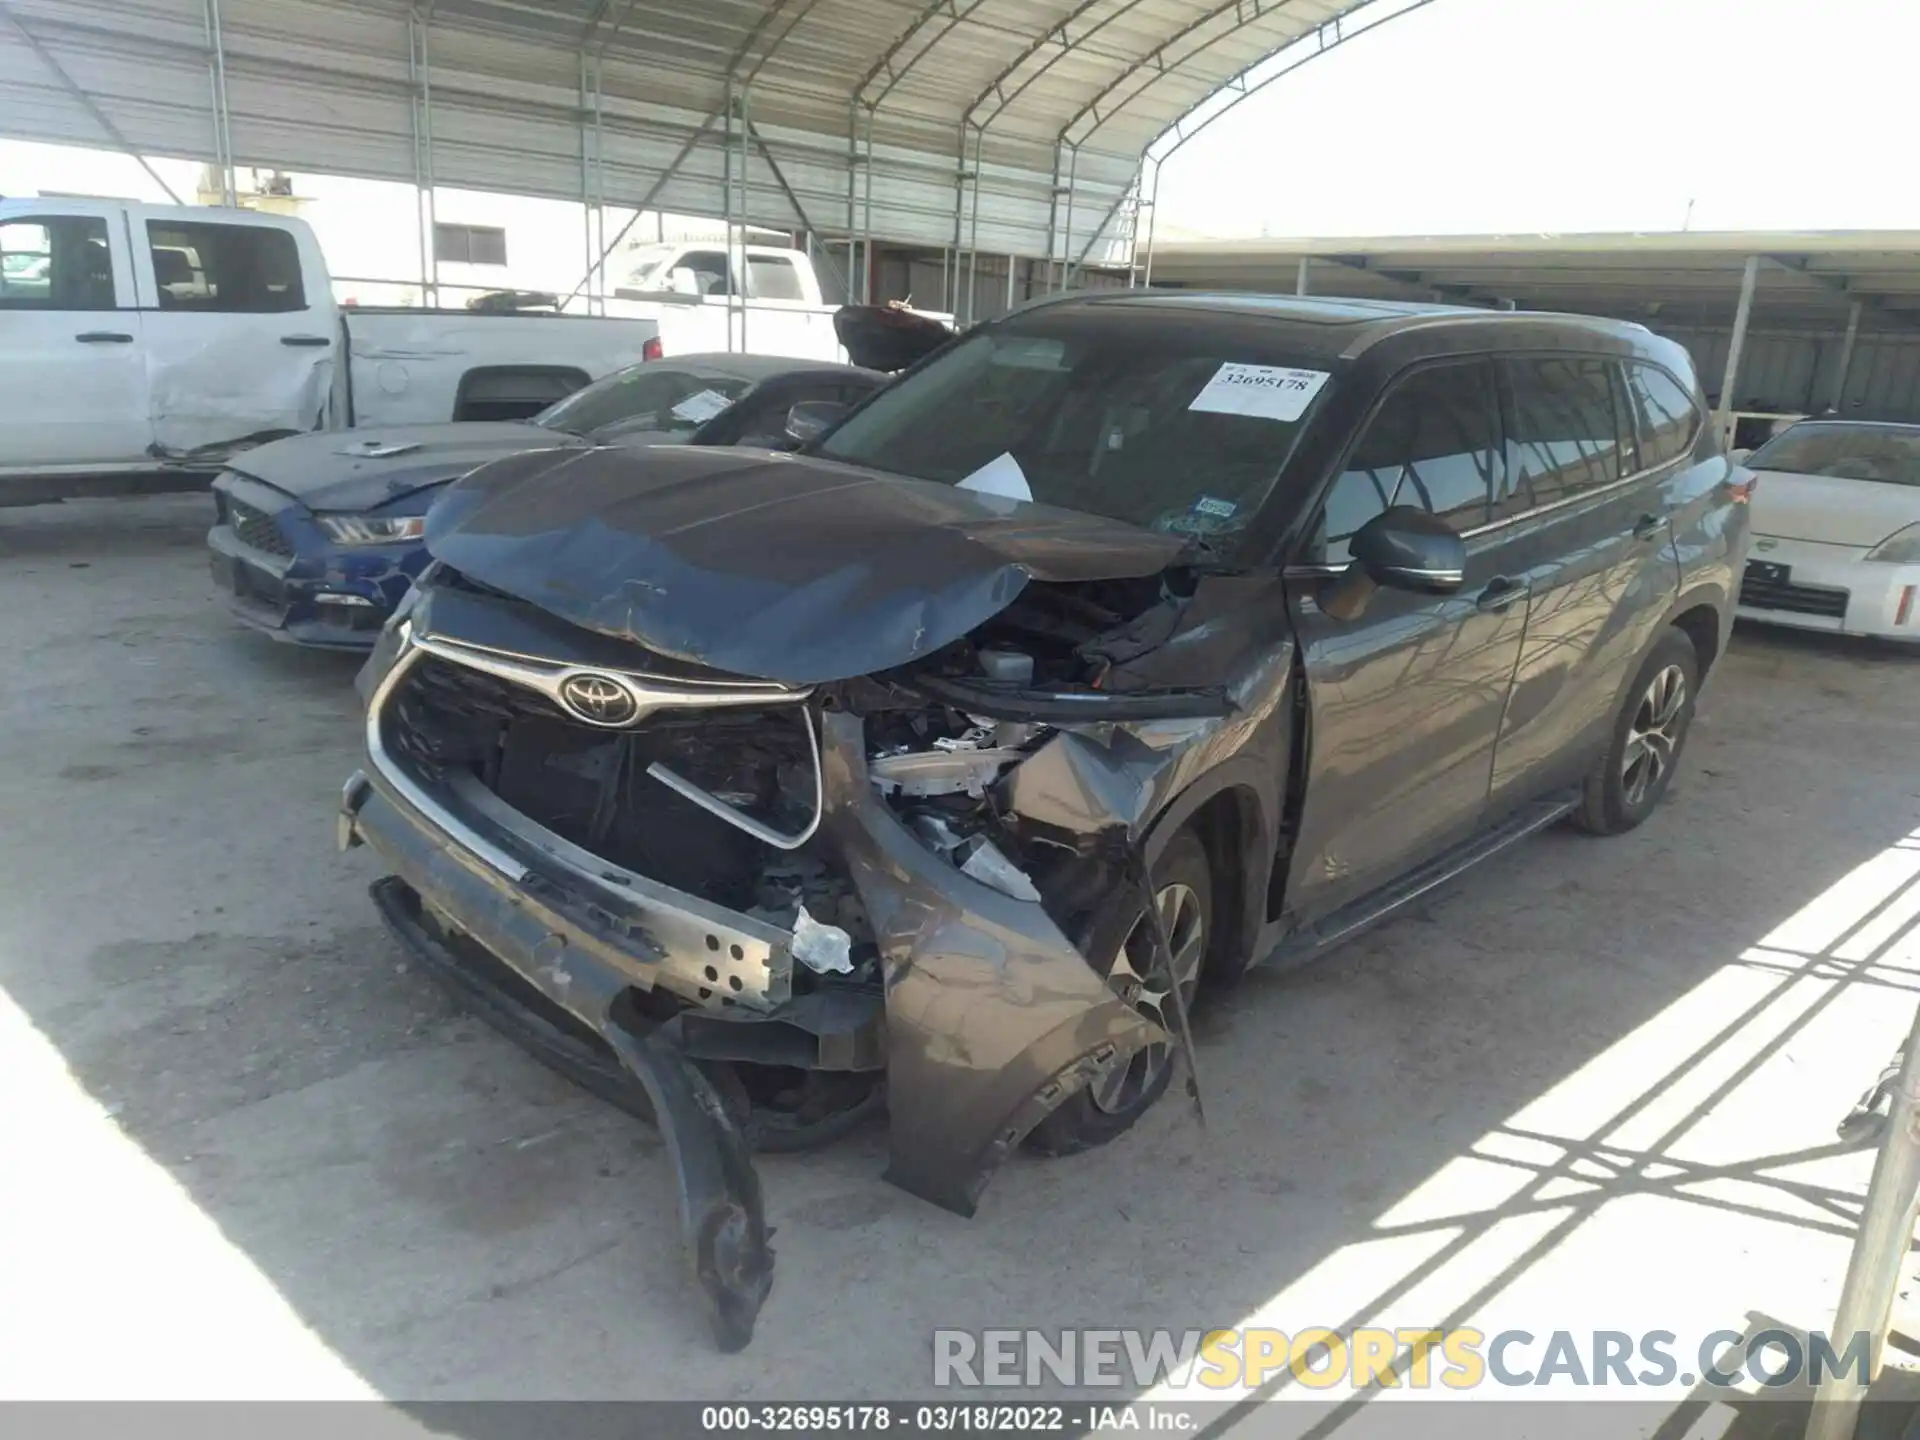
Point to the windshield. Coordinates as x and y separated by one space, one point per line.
650 396
648 266
1887 453
1176 424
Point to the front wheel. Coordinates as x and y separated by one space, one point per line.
1648 735
1183 893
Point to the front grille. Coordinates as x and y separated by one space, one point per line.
256 528
1758 593
591 785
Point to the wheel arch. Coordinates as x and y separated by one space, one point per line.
1700 616
1233 810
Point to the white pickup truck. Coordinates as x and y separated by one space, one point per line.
143 339
767 301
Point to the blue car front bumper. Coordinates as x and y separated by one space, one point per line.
277 570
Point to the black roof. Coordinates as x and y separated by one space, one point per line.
1331 329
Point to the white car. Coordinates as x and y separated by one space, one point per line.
1836 530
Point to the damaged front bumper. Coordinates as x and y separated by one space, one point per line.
989 1018
276 571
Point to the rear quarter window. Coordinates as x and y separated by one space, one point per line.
1668 419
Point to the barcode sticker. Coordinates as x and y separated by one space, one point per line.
1271 392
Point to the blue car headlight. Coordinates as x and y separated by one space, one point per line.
372 529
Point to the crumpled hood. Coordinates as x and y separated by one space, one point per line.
364 469
780 567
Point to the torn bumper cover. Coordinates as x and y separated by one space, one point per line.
558 971
991 1017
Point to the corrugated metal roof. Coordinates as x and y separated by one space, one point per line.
1017 125
1808 280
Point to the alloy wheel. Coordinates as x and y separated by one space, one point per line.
1139 980
1653 735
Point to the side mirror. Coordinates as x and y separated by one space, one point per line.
810 419
1739 457
682 281
1408 549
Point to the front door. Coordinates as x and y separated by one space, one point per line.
237 347
1404 698
73 383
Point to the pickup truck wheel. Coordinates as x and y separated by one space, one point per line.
1183 891
1648 735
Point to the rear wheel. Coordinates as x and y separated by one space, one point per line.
1183 893
1648 735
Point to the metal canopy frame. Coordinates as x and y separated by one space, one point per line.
1003 126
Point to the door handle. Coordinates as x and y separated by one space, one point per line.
1501 592
103 337
1648 526
305 340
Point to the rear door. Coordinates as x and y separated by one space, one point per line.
1406 698
73 383
1591 537
240 329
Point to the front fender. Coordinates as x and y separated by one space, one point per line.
993 1017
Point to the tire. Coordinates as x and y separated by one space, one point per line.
1183 883
1648 736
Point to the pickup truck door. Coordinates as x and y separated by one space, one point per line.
240 329
73 389
1406 697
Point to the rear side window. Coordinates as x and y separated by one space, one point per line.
1666 415
709 269
57 263
1563 438
245 269
773 277
1431 444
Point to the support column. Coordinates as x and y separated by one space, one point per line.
586 184
1724 416
1300 276
217 91
1879 1256
1153 217
420 76
973 226
853 203
1066 247
1846 356
866 217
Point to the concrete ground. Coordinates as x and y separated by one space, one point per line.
248 1152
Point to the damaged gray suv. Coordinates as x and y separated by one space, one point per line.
934 770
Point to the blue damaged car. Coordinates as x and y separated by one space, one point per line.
316 538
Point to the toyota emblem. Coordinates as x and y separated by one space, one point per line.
599 700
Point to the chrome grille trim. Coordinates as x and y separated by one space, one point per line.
650 693
695 934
